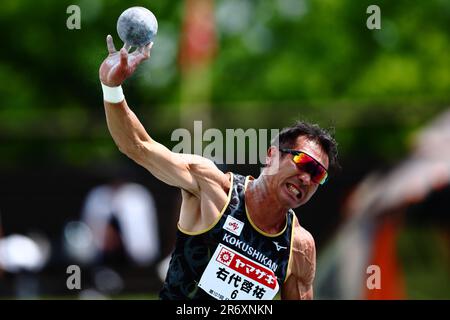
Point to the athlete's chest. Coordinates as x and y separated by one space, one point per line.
245 264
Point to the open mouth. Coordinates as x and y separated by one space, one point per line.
296 192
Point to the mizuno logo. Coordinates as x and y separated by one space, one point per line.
278 246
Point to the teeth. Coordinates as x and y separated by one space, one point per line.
293 190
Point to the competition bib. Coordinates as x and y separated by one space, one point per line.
230 275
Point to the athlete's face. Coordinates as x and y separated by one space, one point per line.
293 186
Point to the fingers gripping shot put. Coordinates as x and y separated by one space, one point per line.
237 237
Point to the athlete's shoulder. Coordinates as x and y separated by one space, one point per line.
201 167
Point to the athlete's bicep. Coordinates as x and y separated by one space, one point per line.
296 289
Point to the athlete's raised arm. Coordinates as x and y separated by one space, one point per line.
132 139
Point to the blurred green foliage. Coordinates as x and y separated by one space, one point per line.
278 59
425 261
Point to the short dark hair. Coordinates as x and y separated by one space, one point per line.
288 136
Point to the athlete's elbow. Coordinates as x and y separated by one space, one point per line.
123 149
133 151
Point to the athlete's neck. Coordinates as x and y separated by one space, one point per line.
263 206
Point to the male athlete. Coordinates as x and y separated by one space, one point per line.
237 237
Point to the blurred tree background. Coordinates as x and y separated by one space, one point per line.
276 61
281 59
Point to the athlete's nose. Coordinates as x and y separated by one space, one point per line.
305 178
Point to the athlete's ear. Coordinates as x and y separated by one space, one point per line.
272 154
268 156
272 161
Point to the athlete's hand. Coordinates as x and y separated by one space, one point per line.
119 65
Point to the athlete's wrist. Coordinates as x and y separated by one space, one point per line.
112 94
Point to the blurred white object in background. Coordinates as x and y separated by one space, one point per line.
21 253
78 242
133 207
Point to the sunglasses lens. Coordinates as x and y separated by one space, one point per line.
322 176
306 163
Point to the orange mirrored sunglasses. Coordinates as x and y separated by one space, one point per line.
308 164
